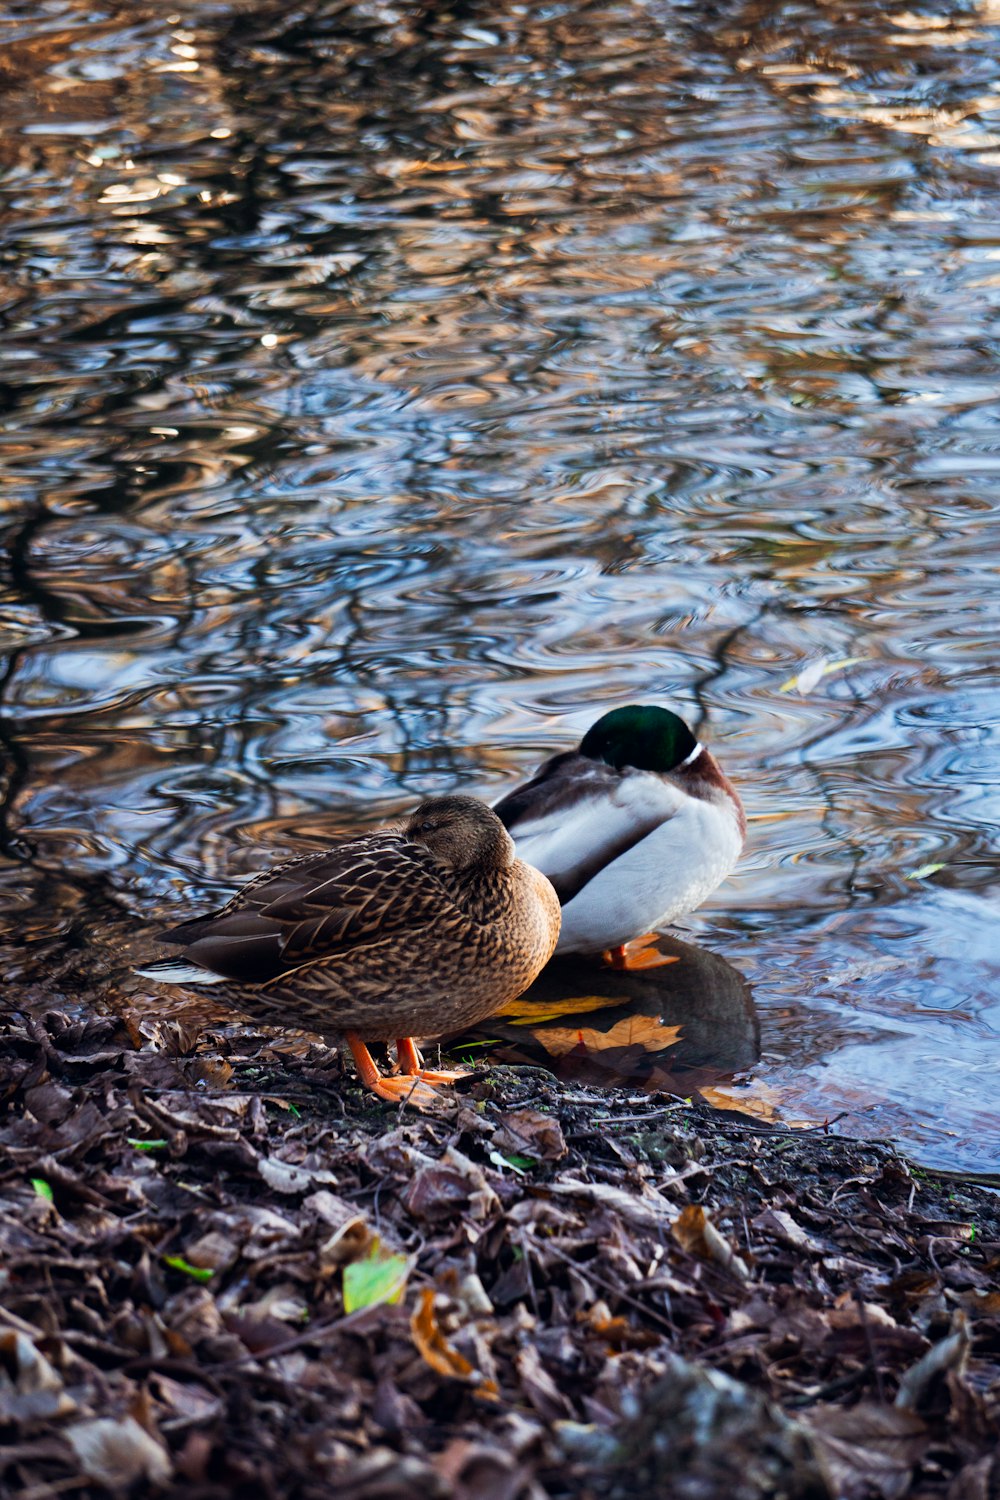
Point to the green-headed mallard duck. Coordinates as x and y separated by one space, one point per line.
411 931
633 829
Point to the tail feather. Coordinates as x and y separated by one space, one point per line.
175 971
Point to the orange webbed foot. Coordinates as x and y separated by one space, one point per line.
406 1088
640 953
411 1065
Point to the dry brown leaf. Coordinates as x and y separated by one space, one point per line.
439 1354
780 1225
539 1387
695 1233
116 1452
649 1210
647 1032
757 1104
36 1391
618 1332
532 1133
950 1353
867 1447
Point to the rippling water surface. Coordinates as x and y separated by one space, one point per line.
390 388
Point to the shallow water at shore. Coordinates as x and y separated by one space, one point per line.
390 390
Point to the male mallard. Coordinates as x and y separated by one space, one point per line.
411 931
634 828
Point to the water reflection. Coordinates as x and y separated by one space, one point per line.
389 390
688 1024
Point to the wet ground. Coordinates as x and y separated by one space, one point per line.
389 389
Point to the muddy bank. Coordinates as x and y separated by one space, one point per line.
570 1292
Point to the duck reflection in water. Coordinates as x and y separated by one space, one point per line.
682 1025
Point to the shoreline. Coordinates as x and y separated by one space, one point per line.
593 1285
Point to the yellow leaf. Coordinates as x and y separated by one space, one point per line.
759 1101
647 1032
812 675
761 1107
519 1014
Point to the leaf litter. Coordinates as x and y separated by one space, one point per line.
302 1292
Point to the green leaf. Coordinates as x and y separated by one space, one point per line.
379 1277
197 1273
922 872
296 1114
43 1189
521 1162
146 1145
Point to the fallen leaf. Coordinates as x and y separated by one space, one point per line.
781 1226
116 1451
351 1235
647 1032
758 1100
530 1136
379 1277
284 1177
950 1353
539 1387
439 1354
196 1273
867 1447
813 674
518 1164
440 1188
518 1014
923 871
695 1233
214 1251
36 1392
651 1212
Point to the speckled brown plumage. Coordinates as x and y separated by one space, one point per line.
410 931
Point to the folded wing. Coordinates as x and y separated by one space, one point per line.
316 906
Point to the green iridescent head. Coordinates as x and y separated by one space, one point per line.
648 738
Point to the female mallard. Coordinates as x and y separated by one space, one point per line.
411 931
633 829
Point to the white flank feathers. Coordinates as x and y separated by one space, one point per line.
669 872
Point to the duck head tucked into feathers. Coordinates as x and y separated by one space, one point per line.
461 833
633 828
407 931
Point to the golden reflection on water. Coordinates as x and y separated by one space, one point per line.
388 391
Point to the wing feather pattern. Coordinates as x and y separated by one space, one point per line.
316 906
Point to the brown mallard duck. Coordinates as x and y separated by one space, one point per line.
413 930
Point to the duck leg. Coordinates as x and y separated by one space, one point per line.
409 1089
639 953
411 1063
